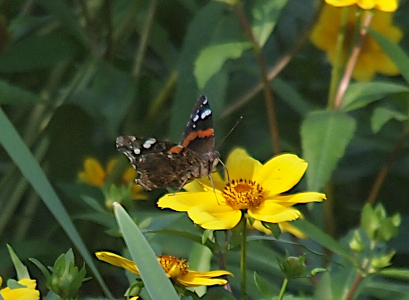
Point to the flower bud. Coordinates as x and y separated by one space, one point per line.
293 267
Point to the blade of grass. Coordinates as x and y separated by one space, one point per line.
142 254
23 158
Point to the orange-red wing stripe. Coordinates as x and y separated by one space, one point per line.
197 134
175 149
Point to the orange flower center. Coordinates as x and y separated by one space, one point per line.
243 194
174 267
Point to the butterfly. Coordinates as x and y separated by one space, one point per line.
163 164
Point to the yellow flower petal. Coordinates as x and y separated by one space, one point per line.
383 5
241 165
93 173
210 274
117 260
218 217
111 165
184 201
305 197
27 293
193 278
272 212
287 227
281 173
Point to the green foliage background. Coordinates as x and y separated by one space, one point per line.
76 74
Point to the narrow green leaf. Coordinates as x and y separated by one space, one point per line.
325 136
316 234
21 269
262 286
41 267
362 93
22 157
12 94
396 273
382 115
142 254
63 13
212 58
265 16
394 52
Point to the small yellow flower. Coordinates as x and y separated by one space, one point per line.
175 268
95 175
27 292
371 59
253 188
382 5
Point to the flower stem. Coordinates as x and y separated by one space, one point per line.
243 259
268 95
346 78
283 289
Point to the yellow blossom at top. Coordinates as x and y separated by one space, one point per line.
27 291
382 5
371 59
175 268
253 188
95 175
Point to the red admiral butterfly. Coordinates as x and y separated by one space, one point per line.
163 164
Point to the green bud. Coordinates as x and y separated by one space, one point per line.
293 267
383 261
356 244
65 279
114 193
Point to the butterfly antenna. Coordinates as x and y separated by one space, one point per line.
231 130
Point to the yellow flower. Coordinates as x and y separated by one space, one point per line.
175 268
253 188
371 60
27 292
95 175
383 5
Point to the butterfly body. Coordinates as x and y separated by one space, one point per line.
162 164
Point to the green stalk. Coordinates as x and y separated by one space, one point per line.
283 289
243 258
338 65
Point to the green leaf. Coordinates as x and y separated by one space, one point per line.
24 160
382 115
397 273
212 58
142 254
394 52
63 13
316 234
42 268
265 16
21 269
325 136
12 94
361 94
36 52
262 286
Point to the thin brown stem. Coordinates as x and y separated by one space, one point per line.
346 78
268 95
277 68
354 286
386 168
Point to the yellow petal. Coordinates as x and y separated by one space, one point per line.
117 260
272 212
241 165
27 293
111 164
137 192
93 173
287 227
305 197
205 184
194 279
217 217
211 274
281 173
184 201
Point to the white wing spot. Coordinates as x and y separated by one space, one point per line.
137 151
205 114
148 143
205 101
193 125
195 118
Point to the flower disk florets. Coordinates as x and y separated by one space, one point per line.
173 266
243 194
